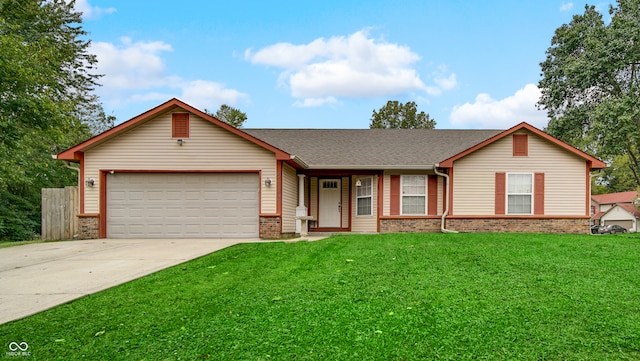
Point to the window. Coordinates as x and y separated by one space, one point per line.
330 184
520 145
519 193
364 197
414 189
180 125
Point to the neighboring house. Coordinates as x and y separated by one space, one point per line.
616 208
176 172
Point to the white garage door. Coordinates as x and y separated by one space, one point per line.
182 205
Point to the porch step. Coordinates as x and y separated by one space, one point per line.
329 234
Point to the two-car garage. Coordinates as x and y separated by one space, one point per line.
182 205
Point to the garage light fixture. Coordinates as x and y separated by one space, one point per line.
90 182
180 141
267 182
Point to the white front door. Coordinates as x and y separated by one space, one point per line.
330 209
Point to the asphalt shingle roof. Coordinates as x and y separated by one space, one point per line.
620 197
372 148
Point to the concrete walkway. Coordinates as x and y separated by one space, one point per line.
39 276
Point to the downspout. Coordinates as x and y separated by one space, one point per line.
68 165
446 201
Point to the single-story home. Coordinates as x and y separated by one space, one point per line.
177 172
616 208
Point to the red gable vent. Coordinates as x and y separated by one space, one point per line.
180 125
520 145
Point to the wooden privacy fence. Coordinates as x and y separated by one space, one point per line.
60 207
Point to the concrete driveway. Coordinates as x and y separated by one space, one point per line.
36 277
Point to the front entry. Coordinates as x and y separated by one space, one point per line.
329 207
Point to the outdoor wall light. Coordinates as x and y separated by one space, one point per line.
180 141
90 182
358 183
267 182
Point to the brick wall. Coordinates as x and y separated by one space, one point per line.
391 225
270 227
523 225
89 226
528 225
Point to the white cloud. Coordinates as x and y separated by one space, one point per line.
91 12
350 67
135 72
446 83
487 112
131 65
566 6
314 102
205 94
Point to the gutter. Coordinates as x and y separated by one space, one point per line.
446 201
372 166
299 161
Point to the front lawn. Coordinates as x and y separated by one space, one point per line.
364 297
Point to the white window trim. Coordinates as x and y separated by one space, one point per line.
370 196
507 194
402 195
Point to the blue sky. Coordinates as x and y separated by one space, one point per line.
327 64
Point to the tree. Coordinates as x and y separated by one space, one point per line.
617 177
397 115
229 115
46 81
590 83
92 115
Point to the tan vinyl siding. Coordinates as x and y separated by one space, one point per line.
386 189
289 198
344 203
209 147
565 177
365 223
386 195
313 202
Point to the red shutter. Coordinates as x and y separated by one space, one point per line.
432 198
500 192
520 145
395 195
180 125
538 193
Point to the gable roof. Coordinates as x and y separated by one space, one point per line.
595 162
344 148
629 208
72 154
620 197
372 148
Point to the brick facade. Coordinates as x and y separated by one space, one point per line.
89 226
522 225
391 225
270 227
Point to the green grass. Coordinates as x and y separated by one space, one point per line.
5 244
365 297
